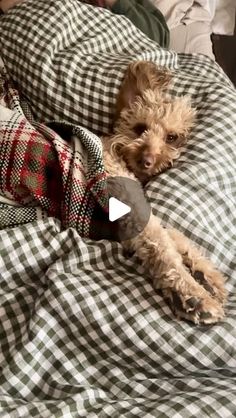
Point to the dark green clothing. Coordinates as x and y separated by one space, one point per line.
145 16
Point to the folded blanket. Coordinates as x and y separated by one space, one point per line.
173 10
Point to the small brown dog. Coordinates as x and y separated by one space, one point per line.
149 132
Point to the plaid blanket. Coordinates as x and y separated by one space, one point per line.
83 332
49 175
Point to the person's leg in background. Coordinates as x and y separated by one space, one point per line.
194 37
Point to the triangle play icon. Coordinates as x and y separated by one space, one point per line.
117 209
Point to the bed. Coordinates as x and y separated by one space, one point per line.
83 331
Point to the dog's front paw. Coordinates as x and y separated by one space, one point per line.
195 308
211 279
200 268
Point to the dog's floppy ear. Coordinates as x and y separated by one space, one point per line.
140 76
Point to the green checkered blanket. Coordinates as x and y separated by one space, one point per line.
83 332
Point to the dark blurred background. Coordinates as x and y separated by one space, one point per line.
224 48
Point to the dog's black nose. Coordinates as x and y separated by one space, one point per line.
147 161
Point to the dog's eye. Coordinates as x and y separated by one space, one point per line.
140 128
171 138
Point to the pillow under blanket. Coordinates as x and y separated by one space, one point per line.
69 58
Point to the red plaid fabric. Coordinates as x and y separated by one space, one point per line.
38 167
29 167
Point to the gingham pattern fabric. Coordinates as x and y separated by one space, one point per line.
83 332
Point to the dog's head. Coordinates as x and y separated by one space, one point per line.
150 127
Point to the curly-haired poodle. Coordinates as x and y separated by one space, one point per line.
150 129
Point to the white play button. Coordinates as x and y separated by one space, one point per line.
117 209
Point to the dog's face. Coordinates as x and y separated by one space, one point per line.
151 129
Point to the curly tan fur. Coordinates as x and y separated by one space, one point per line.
151 128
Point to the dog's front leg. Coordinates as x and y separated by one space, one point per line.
201 268
160 258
